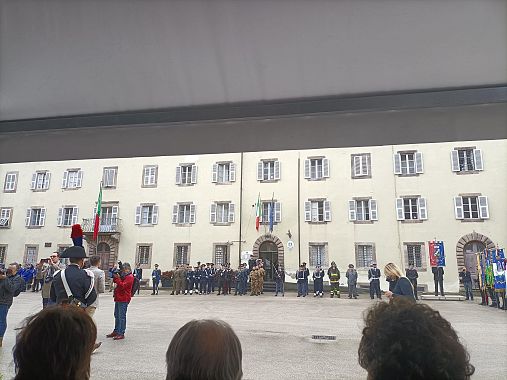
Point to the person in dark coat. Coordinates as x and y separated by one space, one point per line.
403 287
438 278
374 278
466 278
412 275
80 281
301 278
318 282
138 273
279 280
11 284
351 275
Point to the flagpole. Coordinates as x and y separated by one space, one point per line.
98 231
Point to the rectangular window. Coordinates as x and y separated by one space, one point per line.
415 255
35 217
186 174
184 214
407 163
143 256
361 165
109 177
147 215
317 211
5 217
181 254
221 254
3 253
470 208
318 254
222 213
410 208
109 216
11 180
316 168
67 216
466 160
365 254
72 179
150 174
31 252
268 170
224 172
363 210
40 180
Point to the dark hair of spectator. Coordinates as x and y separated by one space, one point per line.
94 260
403 340
55 343
75 260
204 349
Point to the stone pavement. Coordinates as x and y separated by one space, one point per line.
275 334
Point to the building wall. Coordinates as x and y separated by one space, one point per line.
438 184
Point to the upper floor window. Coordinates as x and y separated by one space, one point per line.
150 174
271 209
361 165
184 213
316 168
365 254
5 217
186 174
108 215
268 170
35 217
317 211
224 172
408 163
67 216
109 177
466 160
11 182
40 180
318 255
411 208
146 215
471 207
72 179
222 213
362 210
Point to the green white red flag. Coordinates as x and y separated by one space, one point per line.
97 215
258 213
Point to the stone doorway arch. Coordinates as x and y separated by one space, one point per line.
264 248
465 255
104 242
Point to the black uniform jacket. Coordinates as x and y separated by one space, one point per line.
79 283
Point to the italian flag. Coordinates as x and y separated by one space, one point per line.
258 213
97 215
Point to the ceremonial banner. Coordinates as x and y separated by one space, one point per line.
96 225
436 253
258 213
498 259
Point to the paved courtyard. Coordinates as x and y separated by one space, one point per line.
275 334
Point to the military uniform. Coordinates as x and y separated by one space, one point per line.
334 278
374 278
261 275
203 280
302 278
190 280
318 282
254 279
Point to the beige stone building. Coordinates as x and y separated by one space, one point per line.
348 205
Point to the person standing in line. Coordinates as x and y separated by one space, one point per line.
212 277
37 282
374 278
197 279
100 287
412 275
352 281
438 279
11 284
156 274
122 296
254 278
466 278
318 282
307 278
279 280
48 273
301 278
260 277
334 280
244 280
138 273
220 274
190 280
203 280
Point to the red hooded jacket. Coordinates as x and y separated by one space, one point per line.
123 290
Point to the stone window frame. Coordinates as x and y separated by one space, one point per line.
150 254
11 211
368 160
115 179
424 261
3 247
189 251
143 176
325 244
36 246
227 256
373 254
16 174
275 161
466 172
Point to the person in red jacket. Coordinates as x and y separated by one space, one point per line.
122 296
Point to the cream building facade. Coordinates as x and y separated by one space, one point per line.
348 205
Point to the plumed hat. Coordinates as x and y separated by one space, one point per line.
75 252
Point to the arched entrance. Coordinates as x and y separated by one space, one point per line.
104 251
269 248
107 249
467 248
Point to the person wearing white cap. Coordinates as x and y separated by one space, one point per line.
374 278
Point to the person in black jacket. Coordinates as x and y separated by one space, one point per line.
138 273
11 284
466 278
438 278
412 275
374 278
403 287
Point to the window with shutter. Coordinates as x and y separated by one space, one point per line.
454 161
327 211
397 163
193 179
10 182
64 180
423 213
5 217
400 214
260 168
150 176
352 210
232 172
192 214
365 255
222 212
478 159
278 212
146 214
175 214
483 207
213 213
308 211
277 170
231 212
458 207
66 216
154 219
318 255
360 165
362 210
470 207
138 215
373 209
419 164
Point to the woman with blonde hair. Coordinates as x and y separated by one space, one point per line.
403 287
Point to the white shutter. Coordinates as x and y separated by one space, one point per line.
397 163
175 214
34 181
277 174
232 172
325 167
113 173
154 218
454 161
194 174
356 167
114 215
64 181
75 212
352 210
28 217
373 209
278 212
213 213
365 164
42 218
146 176
478 159
59 222
419 165
260 167
458 207
214 175
308 211
138 215
192 214
231 212
79 178
327 211
483 208
178 175
307 168
400 214
423 213
47 180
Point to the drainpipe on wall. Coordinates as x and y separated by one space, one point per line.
240 205
299 210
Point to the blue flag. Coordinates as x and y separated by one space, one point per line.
271 216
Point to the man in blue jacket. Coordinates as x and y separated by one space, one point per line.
156 274
11 284
302 279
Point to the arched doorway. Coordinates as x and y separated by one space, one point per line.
104 251
467 248
269 248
